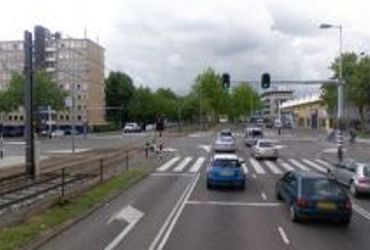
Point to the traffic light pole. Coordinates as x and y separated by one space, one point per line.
29 129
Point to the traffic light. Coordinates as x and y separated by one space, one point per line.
265 81
226 81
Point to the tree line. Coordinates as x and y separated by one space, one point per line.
206 100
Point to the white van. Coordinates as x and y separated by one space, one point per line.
252 135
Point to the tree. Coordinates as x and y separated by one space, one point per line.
45 92
119 91
244 98
356 77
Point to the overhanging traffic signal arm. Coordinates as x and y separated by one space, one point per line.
226 80
265 81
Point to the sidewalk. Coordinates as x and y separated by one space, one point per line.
10 161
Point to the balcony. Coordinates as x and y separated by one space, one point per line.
50 49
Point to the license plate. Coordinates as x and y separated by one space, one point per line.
227 173
326 205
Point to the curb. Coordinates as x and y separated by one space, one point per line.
54 232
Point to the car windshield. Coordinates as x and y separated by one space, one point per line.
366 170
225 139
226 163
226 133
255 133
319 187
266 144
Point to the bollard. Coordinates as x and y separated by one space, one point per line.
63 175
127 163
101 170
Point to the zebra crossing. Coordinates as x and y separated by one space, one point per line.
190 164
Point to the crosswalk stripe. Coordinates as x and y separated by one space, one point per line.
182 164
314 165
272 167
298 164
285 165
245 169
257 166
197 165
168 164
324 163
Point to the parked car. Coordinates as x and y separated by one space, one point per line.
352 174
226 170
131 128
226 132
251 136
225 144
311 195
278 123
57 133
265 149
260 123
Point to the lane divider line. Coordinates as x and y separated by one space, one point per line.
283 235
182 164
168 164
264 196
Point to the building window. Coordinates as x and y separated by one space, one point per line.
67 117
21 117
61 117
61 86
79 118
79 107
15 118
10 118
78 86
79 97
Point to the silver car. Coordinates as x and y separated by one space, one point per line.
225 144
265 149
353 174
252 135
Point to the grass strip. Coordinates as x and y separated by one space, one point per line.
17 236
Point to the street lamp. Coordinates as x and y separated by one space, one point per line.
340 88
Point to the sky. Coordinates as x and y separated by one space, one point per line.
167 43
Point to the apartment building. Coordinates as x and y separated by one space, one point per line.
76 65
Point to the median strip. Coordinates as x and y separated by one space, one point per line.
65 213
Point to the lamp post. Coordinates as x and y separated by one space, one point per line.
340 88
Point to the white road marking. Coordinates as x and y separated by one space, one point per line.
257 166
182 164
197 165
264 196
129 214
168 164
170 216
324 163
314 165
172 174
206 148
254 176
67 151
234 204
273 167
286 165
14 143
170 150
332 150
245 169
298 164
284 236
177 215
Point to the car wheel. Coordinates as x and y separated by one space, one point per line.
209 185
292 214
278 195
353 190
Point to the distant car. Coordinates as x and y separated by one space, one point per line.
131 127
260 122
278 123
226 170
57 133
226 132
225 144
251 136
352 174
265 149
150 127
311 195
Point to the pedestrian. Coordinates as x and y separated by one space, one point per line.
352 134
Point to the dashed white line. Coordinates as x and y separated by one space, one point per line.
298 164
245 169
197 165
168 164
182 164
314 165
257 166
324 163
286 165
263 195
272 167
284 236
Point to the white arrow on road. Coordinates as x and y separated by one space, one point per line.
206 148
129 214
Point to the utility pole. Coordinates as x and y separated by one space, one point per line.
29 125
1 136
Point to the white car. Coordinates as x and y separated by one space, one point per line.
131 128
57 133
225 144
265 149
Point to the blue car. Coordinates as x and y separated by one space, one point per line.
226 170
310 195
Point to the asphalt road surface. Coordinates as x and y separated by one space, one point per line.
172 209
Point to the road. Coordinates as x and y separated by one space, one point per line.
172 209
